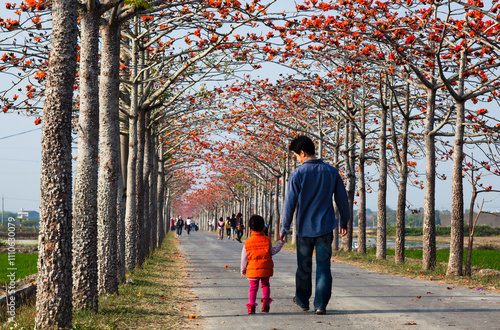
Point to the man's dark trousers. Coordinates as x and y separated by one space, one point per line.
303 276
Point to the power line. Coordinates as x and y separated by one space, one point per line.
21 160
22 199
9 136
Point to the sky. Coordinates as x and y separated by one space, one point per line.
20 162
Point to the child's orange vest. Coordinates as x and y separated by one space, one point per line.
260 262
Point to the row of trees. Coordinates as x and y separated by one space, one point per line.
379 85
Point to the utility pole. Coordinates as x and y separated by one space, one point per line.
2 210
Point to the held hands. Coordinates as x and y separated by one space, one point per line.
281 237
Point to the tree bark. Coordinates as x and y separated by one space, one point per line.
131 229
276 203
346 243
54 284
139 184
153 205
109 163
457 201
382 187
146 175
85 192
161 194
400 212
429 225
361 188
336 153
120 230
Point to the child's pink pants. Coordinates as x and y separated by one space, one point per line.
254 287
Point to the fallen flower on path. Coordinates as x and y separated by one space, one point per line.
411 323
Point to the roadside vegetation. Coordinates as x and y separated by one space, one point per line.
479 231
413 267
157 297
25 265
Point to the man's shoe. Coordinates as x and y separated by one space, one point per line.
320 312
304 308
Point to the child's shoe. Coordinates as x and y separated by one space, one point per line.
251 309
266 305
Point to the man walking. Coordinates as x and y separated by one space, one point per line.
312 188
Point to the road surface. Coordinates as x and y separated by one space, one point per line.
361 299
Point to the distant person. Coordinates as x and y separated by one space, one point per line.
228 227
234 226
220 228
172 224
310 193
240 227
188 225
257 263
178 225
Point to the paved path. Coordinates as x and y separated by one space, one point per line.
360 300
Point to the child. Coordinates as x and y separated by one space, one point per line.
257 263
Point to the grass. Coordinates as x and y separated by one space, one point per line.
489 259
413 268
479 230
25 264
158 299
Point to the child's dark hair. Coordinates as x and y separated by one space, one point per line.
256 223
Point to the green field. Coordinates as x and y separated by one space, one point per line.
480 258
25 264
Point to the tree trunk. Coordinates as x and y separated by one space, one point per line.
85 191
382 188
120 230
336 153
120 206
54 284
457 198
401 207
161 194
468 263
131 229
109 163
361 188
153 205
276 203
429 225
146 176
139 183
346 244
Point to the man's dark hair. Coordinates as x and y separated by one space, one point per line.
256 223
302 143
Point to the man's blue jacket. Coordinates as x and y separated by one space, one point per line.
312 188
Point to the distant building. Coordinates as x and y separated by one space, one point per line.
490 219
28 215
